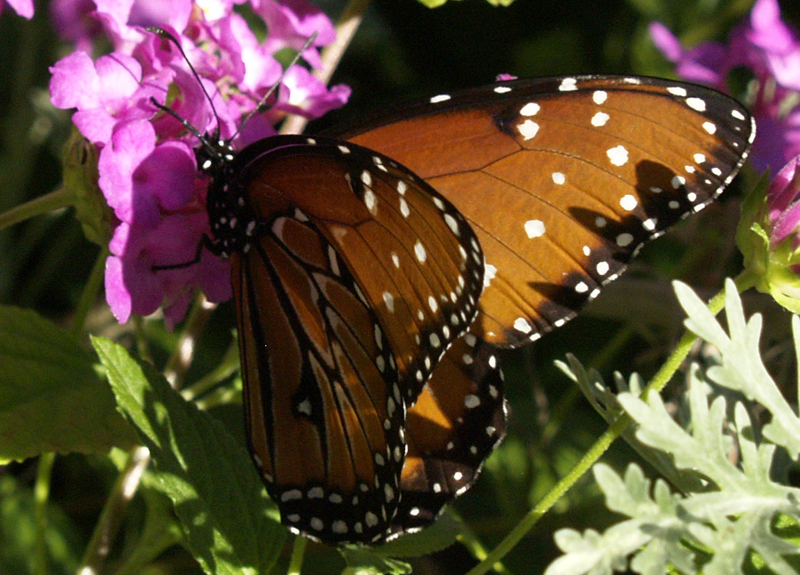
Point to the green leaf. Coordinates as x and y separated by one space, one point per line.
728 526
742 368
363 561
51 399
438 536
214 487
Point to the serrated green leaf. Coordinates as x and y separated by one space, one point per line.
742 368
215 489
51 399
726 528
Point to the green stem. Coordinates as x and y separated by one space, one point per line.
41 497
657 383
58 199
475 546
114 511
298 552
563 409
346 28
89 295
184 353
226 368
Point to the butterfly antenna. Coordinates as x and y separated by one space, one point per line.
275 86
194 131
167 36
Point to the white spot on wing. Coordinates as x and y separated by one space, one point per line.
600 119
471 401
624 240
568 85
489 273
370 201
628 202
419 251
618 155
388 299
528 129
599 97
697 104
404 207
452 224
534 228
521 324
432 304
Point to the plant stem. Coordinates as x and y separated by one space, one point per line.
58 199
346 28
181 359
41 498
298 552
89 294
114 510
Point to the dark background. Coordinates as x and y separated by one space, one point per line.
402 51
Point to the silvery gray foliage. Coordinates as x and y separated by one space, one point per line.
735 513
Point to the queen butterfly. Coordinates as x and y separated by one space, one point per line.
360 262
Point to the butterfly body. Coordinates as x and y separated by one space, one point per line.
372 271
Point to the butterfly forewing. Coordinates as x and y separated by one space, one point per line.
563 179
356 278
416 261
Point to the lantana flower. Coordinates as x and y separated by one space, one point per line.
22 7
148 173
770 49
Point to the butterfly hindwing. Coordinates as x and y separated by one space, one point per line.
458 419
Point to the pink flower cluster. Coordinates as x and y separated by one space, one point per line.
770 49
147 167
22 7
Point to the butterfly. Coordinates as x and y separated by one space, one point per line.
376 268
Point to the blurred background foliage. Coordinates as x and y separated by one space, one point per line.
403 50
